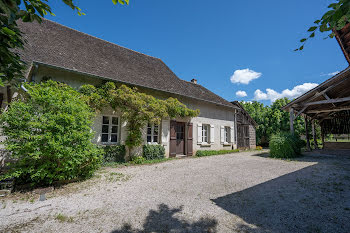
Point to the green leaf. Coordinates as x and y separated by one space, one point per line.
115 2
317 21
312 35
303 40
8 31
311 29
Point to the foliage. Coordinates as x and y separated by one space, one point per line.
48 133
285 145
271 119
137 160
153 152
11 66
336 18
138 108
201 153
114 153
258 148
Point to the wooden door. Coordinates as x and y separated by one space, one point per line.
180 138
243 136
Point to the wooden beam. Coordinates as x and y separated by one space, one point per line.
329 110
314 135
307 133
300 112
330 101
327 98
291 120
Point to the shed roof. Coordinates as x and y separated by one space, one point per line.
329 97
56 45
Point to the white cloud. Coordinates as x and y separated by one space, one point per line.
273 95
331 74
241 93
244 76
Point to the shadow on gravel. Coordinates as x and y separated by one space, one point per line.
313 199
163 220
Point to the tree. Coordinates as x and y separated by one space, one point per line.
11 66
138 108
336 18
48 132
271 119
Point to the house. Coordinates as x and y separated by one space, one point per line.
75 58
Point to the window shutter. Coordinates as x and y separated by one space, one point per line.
211 134
232 134
189 139
172 139
222 134
199 133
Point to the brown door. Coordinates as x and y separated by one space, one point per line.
180 138
243 136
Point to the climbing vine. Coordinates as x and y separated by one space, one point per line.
138 108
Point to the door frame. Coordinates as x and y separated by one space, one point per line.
172 147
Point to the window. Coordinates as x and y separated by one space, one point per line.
110 129
152 133
227 134
205 133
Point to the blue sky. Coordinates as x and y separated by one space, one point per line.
210 40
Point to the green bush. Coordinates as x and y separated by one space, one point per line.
285 145
153 152
138 160
114 153
48 132
201 153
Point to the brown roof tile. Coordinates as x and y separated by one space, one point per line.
57 45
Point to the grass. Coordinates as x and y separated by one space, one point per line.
63 218
131 163
201 153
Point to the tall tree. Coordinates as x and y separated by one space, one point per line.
271 119
336 17
11 41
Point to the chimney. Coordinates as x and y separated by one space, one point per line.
194 81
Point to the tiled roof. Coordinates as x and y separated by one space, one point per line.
57 45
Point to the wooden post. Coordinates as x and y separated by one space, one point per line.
307 133
322 140
291 120
314 135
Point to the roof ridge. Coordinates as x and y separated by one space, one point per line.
99 38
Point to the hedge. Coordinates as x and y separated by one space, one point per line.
153 152
285 145
114 153
201 153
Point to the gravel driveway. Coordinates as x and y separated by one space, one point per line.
242 192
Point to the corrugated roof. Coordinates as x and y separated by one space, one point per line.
59 46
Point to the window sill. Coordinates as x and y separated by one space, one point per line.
205 145
227 144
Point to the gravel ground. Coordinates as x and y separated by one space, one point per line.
242 192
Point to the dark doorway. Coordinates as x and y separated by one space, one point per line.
243 136
180 138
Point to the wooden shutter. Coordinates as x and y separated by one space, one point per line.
172 138
222 134
212 136
199 133
232 134
189 139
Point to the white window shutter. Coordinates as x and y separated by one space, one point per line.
232 134
222 134
199 133
212 134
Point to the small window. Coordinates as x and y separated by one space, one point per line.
205 133
227 134
110 128
152 133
